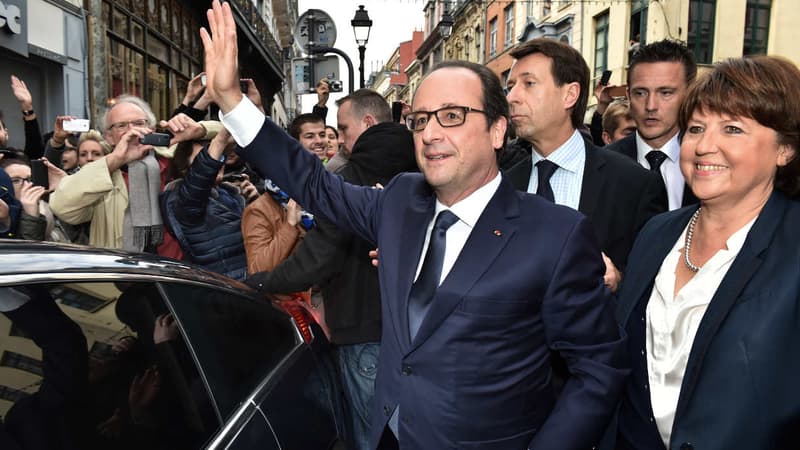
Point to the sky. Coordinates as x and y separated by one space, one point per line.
392 23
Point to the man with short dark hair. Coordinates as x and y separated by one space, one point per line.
548 88
478 282
309 130
658 77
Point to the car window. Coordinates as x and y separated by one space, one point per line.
101 357
238 341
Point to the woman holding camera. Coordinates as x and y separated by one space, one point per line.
711 298
204 214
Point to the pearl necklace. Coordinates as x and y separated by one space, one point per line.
688 246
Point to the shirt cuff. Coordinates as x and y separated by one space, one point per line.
244 122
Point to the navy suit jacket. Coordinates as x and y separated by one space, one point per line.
740 388
617 195
527 281
627 146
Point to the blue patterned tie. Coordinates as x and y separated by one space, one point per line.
424 289
655 158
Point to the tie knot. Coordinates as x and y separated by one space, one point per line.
444 220
546 169
655 158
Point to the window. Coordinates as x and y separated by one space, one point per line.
600 44
493 37
638 22
21 362
756 27
508 12
701 29
238 341
12 395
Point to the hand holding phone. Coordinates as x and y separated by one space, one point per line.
617 91
76 125
605 77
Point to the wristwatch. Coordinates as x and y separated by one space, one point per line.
28 113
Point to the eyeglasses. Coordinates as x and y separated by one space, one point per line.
119 126
449 116
17 181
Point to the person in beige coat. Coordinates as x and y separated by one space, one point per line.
119 192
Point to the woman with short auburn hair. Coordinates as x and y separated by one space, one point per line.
711 298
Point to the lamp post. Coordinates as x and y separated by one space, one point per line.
446 25
361 25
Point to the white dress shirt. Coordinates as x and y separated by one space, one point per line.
468 210
670 169
567 180
672 321
243 122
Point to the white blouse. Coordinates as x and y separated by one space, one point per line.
672 322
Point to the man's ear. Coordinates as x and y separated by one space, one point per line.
369 120
498 132
606 137
571 94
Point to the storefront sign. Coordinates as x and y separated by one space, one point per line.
13 29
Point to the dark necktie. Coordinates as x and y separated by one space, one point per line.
655 158
424 289
546 170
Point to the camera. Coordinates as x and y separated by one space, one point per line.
335 85
155 139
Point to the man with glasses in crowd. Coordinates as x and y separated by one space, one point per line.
119 192
502 277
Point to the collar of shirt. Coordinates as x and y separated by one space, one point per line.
569 156
470 208
672 149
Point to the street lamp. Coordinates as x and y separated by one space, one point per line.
446 25
361 25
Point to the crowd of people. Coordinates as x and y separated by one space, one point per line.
493 272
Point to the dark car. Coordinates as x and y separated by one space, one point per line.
178 357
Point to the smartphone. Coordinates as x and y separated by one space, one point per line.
605 77
76 125
156 139
39 173
233 177
203 79
244 86
618 91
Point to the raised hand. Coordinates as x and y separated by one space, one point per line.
221 53
323 92
54 174
59 135
193 89
21 93
183 128
29 196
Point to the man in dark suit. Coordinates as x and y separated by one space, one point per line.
548 88
658 76
502 277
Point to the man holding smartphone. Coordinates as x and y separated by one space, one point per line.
118 193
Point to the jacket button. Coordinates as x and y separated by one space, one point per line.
687 446
386 410
406 370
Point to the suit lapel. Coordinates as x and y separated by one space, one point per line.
520 175
413 230
593 180
744 266
487 239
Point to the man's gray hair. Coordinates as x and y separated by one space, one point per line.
134 100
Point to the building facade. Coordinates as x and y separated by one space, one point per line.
43 42
467 42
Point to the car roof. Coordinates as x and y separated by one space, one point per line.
32 261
